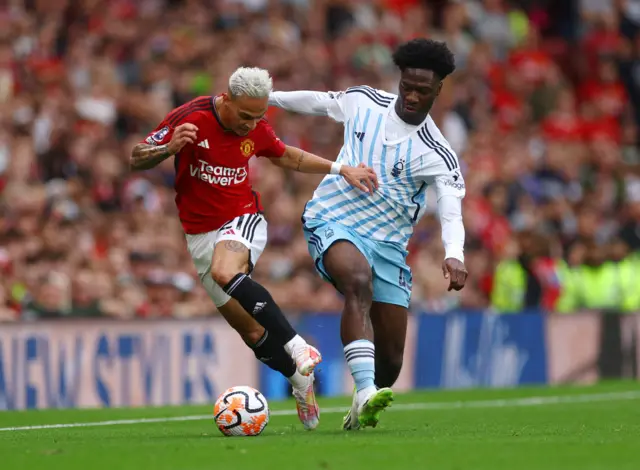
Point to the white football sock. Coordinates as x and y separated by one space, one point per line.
296 342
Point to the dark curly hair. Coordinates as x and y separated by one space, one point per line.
425 54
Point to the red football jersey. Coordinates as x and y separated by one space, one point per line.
212 175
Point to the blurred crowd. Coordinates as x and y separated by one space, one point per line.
543 111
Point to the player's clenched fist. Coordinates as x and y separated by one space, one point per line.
455 271
183 135
362 177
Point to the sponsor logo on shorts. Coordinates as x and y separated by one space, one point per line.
404 281
218 175
328 233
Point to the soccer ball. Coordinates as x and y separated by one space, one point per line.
241 411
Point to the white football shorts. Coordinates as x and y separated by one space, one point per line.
248 229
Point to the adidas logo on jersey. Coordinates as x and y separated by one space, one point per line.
204 144
360 136
229 232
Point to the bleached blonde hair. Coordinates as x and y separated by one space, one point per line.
250 81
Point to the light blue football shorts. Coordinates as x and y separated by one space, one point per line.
391 275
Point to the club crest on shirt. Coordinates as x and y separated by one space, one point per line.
161 134
247 147
397 168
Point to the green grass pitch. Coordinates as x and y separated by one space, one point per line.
567 428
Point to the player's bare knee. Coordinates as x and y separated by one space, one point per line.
251 337
351 273
222 275
358 286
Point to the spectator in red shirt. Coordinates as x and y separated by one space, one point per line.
564 123
496 230
597 125
605 91
508 103
529 62
603 40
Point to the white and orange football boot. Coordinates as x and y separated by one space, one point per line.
305 395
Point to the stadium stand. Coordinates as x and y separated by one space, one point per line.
543 111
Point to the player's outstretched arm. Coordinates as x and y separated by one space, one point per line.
147 156
362 177
450 214
314 103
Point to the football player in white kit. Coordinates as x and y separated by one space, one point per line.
359 241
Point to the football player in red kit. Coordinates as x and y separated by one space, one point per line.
212 139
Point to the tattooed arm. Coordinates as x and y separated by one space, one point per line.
146 156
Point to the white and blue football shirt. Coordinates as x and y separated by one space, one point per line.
407 159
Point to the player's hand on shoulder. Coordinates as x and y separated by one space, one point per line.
361 177
455 271
184 134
